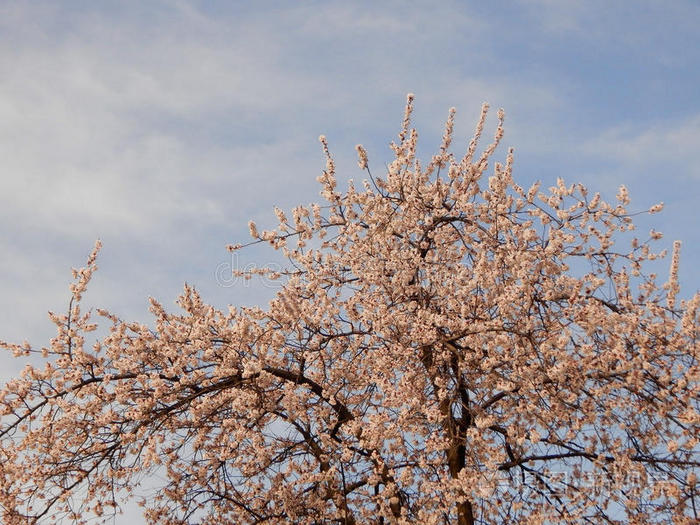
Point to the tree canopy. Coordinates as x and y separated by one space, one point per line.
445 347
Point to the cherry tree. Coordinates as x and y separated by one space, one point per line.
445 346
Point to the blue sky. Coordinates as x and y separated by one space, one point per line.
163 127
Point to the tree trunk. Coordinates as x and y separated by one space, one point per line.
455 458
464 513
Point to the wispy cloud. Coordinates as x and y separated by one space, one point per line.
108 122
672 145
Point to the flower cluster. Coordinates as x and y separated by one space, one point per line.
440 335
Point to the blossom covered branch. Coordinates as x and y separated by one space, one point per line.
446 346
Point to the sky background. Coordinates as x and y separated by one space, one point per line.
163 127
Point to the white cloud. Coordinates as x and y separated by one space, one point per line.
95 118
670 144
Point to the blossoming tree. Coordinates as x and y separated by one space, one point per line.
445 347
